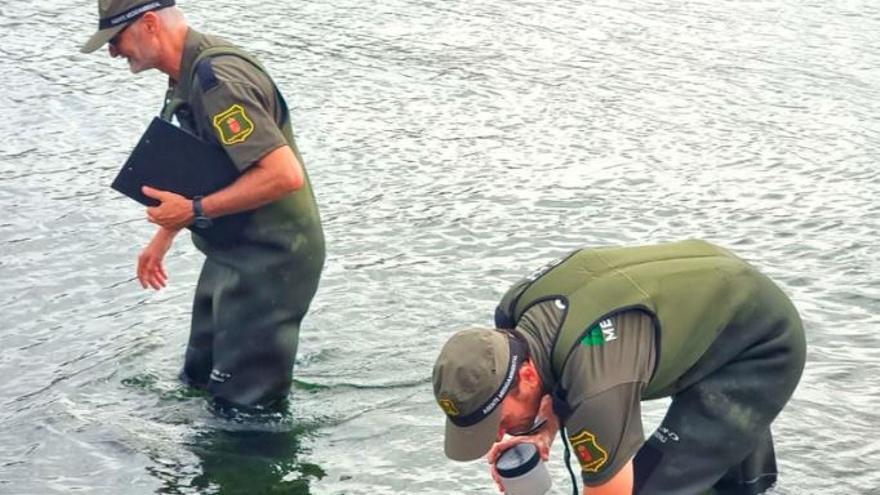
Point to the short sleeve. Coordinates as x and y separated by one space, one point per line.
603 382
240 117
605 432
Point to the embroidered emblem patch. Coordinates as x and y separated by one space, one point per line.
591 456
449 407
233 125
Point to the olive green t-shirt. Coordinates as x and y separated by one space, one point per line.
603 380
235 106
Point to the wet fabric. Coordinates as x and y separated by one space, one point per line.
245 325
255 289
716 433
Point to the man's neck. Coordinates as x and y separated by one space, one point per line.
171 57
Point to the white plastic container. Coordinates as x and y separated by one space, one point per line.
522 471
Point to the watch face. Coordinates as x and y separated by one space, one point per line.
202 222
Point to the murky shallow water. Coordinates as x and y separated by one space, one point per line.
453 148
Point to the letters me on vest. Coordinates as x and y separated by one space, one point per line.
691 289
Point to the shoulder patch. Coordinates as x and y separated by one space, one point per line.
233 125
589 453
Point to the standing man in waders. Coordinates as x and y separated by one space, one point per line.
582 341
254 288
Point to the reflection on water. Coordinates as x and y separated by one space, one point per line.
248 462
235 451
453 147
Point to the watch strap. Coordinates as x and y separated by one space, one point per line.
197 207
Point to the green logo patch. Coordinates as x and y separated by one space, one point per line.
600 334
233 125
593 337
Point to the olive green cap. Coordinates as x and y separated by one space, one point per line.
114 15
472 375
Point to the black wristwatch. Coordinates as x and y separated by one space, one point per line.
201 221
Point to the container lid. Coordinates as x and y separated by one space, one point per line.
517 460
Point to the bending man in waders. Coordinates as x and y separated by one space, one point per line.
255 286
582 341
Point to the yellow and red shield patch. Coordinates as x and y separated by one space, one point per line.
233 125
590 455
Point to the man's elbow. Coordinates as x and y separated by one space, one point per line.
290 172
291 180
281 171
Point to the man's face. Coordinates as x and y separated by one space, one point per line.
137 45
518 412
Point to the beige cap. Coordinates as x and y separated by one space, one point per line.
114 15
472 375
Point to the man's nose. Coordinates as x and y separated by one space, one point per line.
111 48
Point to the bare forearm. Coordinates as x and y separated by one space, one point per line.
167 233
273 177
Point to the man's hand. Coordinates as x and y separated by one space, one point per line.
174 211
542 438
150 269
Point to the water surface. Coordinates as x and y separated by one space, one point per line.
454 146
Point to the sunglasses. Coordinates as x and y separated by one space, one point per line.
115 39
536 425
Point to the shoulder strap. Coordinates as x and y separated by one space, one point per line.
568 338
511 300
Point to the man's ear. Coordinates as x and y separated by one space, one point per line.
528 375
151 22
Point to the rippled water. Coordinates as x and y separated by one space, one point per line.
454 146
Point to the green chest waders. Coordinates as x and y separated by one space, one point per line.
711 311
253 293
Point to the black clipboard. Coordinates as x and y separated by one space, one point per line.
172 159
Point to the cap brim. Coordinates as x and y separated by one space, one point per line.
100 38
472 442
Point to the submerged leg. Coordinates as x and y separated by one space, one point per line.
755 474
258 310
199 350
